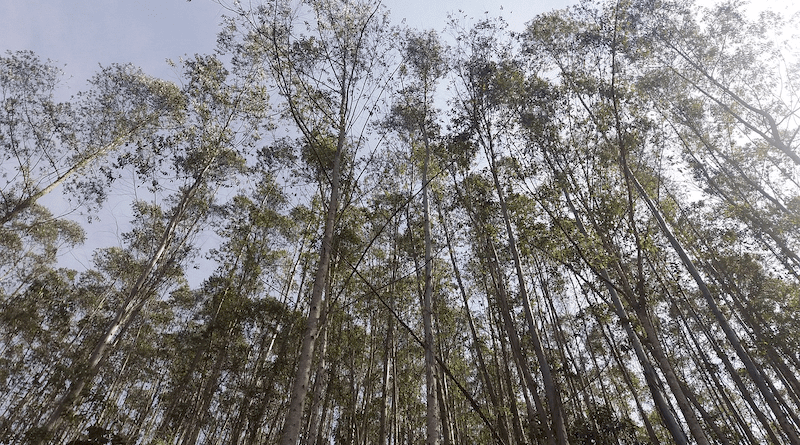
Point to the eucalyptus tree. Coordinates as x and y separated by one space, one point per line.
238 316
491 86
726 83
413 118
49 145
220 115
46 144
328 62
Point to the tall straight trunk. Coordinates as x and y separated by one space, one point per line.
383 429
368 389
499 290
442 393
679 390
310 435
431 412
445 414
756 323
630 178
208 336
709 419
554 403
144 422
705 369
477 349
294 417
516 345
505 379
137 297
385 432
394 425
324 424
664 410
752 370
566 353
670 422
582 362
621 142
706 366
211 387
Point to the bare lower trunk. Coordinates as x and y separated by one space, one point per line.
516 347
431 414
476 344
310 436
294 418
211 386
732 337
554 403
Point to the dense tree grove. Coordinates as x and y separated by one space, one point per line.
342 231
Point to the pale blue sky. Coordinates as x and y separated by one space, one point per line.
84 33
80 34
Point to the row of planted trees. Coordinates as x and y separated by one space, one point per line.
596 244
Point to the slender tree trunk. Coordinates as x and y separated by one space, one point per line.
431 413
137 297
442 399
732 337
211 387
383 430
386 432
498 288
554 403
503 370
752 318
477 346
516 345
294 417
320 385
323 422
671 423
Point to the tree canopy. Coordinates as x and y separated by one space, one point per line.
345 231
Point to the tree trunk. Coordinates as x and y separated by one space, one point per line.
732 337
294 417
320 385
137 297
516 345
477 348
431 413
554 403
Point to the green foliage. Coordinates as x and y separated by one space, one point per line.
603 427
99 436
610 132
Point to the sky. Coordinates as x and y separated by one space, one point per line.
80 34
